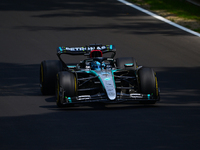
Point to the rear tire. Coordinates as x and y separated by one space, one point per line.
48 71
67 85
120 62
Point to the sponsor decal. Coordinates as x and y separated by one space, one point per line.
107 79
84 48
108 47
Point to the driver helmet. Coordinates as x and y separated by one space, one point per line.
95 65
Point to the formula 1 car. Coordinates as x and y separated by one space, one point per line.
97 78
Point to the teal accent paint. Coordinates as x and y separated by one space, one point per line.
148 96
107 79
131 64
87 71
71 66
113 71
94 73
69 100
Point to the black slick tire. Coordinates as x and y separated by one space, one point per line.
148 84
147 81
48 71
67 85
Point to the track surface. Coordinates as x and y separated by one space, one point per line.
31 31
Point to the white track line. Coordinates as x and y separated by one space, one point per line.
159 17
191 1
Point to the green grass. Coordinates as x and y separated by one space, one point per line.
197 30
180 8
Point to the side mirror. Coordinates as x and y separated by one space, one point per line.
129 65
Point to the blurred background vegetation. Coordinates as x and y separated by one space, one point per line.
182 12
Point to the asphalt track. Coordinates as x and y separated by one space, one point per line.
30 31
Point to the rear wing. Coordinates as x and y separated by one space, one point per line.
85 50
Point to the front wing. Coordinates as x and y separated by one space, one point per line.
121 98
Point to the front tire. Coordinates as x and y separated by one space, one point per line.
66 87
148 82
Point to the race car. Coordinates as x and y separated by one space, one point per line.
97 78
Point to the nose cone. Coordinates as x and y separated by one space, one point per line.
108 84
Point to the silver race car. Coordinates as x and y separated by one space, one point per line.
97 78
